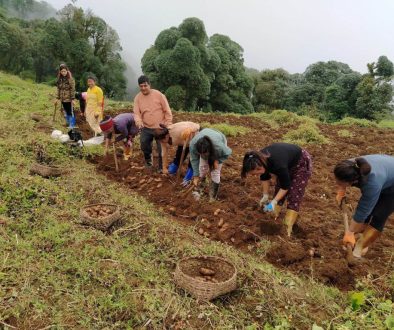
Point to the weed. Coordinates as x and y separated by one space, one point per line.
349 121
227 129
345 133
305 134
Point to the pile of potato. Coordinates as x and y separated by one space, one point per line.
100 211
207 275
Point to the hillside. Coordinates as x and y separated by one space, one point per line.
58 274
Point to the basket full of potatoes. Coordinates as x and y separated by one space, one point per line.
100 216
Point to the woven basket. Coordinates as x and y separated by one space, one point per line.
102 223
45 170
187 275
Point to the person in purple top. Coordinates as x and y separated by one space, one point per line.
123 125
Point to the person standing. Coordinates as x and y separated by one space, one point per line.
66 93
94 105
374 176
151 109
292 168
208 151
123 125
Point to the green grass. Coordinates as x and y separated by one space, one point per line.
345 133
57 274
386 123
227 129
349 121
280 118
305 134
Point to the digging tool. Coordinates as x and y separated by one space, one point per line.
54 114
349 251
178 174
187 191
115 158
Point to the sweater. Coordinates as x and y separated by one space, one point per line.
176 130
152 110
124 125
219 143
283 157
95 100
65 89
380 178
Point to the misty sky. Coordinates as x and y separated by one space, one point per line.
273 33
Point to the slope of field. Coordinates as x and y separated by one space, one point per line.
57 274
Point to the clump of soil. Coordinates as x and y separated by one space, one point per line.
335 272
286 254
100 211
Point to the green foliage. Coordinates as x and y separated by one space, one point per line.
197 74
307 133
386 123
85 42
227 129
357 300
345 133
349 121
384 67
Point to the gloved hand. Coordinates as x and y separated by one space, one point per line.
264 200
188 177
341 192
172 168
349 238
270 207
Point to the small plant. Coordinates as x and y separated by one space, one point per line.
349 121
227 129
305 134
345 133
386 123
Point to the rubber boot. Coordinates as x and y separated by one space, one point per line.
277 210
213 191
72 121
369 236
290 220
126 153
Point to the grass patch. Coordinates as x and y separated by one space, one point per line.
345 133
386 123
349 121
280 118
227 129
305 134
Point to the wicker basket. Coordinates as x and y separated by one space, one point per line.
102 223
46 171
188 269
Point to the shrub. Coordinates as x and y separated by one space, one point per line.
227 129
306 133
349 121
279 118
345 133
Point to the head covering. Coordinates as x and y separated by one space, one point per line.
106 124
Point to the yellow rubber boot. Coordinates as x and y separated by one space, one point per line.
369 236
277 210
126 153
290 219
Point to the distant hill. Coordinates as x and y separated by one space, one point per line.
28 9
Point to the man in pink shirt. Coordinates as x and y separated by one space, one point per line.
150 110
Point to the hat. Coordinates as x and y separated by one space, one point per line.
106 124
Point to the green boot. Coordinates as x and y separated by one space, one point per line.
213 191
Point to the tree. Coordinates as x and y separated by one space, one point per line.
384 67
197 73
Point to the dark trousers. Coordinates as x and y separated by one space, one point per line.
146 139
382 210
178 155
67 106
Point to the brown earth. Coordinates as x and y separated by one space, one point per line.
237 220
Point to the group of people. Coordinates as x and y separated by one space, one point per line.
288 166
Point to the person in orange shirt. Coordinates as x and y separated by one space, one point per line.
150 110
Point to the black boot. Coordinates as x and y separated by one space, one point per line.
213 191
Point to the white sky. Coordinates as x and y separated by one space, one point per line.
273 33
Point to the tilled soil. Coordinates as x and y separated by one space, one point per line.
236 218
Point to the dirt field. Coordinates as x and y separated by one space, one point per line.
236 219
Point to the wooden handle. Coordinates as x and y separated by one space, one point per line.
115 158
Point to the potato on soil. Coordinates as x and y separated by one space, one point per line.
217 211
201 231
207 271
221 222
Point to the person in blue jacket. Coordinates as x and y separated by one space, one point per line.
374 176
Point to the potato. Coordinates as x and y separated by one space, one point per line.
207 271
221 222
201 231
217 211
